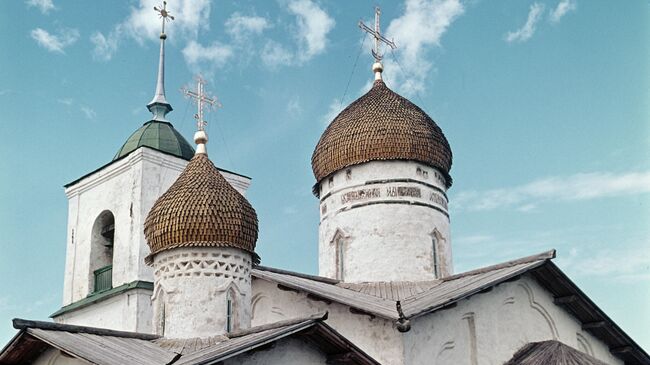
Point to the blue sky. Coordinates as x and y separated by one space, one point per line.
545 104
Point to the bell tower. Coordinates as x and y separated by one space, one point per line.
106 282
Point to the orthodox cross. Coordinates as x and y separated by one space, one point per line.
164 14
201 99
376 33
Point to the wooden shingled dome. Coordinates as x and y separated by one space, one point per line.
381 125
201 209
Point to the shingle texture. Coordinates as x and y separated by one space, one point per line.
160 136
551 353
201 209
381 125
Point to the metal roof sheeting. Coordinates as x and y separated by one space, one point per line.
381 307
235 346
449 292
105 350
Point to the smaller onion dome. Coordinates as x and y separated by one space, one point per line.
201 209
161 136
381 125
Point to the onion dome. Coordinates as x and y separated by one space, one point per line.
161 136
201 209
381 125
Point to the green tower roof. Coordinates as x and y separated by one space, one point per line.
160 136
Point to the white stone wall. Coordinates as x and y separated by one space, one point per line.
376 336
129 311
386 214
284 352
54 356
489 328
127 188
191 288
486 329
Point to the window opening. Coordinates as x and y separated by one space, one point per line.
340 259
436 266
229 311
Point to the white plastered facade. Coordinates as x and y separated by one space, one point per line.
384 221
486 329
126 188
196 287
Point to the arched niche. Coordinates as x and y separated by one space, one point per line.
101 252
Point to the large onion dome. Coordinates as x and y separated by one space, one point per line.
381 125
201 209
161 136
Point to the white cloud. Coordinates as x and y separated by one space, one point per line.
55 42
105 47
206 58
274 54
65 101
88 112
582 186
294 109
626 265
240 26
190 16
142 24
313 26
43 5
473 239
563 7
420 27
527 30
333 110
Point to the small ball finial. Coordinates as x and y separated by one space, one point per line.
377 68
201 138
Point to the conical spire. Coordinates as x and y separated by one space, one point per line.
159 105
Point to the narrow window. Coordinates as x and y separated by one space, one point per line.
229 319
340 259
434 252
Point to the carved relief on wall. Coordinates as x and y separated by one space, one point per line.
446 353
583 344
215 264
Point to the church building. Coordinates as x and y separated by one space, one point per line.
161 265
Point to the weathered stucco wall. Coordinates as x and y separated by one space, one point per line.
489 328
53 356
129 311
286 351
386 215
191 289
376 336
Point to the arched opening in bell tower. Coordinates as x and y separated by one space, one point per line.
101 252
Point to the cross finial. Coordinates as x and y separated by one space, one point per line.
379 38
202 100
164 14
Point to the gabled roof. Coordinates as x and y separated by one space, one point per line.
551 353
94 345
448 291
379 298
338 349
106 347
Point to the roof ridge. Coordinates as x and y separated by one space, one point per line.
546 255
322 279
22 324
316 317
